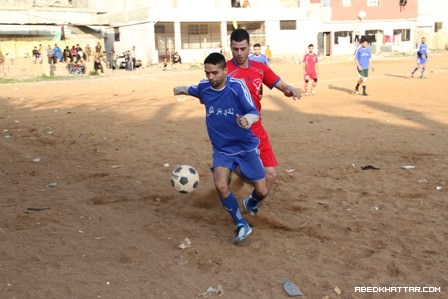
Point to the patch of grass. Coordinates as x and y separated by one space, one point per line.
44 77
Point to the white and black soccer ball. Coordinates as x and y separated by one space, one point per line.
185 178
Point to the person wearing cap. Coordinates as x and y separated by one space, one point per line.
363 56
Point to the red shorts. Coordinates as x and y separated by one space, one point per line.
267 155
310 76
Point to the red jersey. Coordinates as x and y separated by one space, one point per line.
310 60
255 75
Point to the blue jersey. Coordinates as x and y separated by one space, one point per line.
363 56
221 107
260 58
422 51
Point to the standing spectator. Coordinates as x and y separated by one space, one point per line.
50 55
88 51
268 53
73 53
113 60
36 55
133 57
41 50
98 50
57 53
66 54
363 64
310 69
80 53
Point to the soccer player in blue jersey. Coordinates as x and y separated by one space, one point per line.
363 55
230 112
256 55
422 58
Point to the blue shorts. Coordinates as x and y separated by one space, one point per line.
421 60
251 167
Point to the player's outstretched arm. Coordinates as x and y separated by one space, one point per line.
181 90
288 90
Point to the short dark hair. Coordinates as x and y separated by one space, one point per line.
216 58
364 39
310 45
257 45
240 34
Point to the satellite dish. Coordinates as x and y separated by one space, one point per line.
362 15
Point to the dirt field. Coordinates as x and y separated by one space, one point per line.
87 210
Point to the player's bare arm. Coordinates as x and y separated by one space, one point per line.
288 90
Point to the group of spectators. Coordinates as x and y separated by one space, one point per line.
128 60
74 57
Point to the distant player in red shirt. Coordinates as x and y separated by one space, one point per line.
310 69
256 74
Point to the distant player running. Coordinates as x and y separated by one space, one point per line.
363 63
422 58
310 69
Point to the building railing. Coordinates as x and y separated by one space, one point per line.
20 4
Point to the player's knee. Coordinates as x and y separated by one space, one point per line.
271 174
262 191
222 188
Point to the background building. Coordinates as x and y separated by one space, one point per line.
196 27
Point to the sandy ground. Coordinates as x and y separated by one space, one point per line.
87 210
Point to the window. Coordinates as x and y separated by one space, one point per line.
346 3
196 29
200 35
372 34
288 25
235 3
403 34
373 3
340 36
325 3
159 28
438 26
255 29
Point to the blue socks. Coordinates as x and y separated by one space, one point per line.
231 205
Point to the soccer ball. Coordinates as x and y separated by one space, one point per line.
185 178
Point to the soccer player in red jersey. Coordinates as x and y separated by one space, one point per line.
256 74
310 69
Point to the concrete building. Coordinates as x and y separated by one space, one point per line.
194 28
